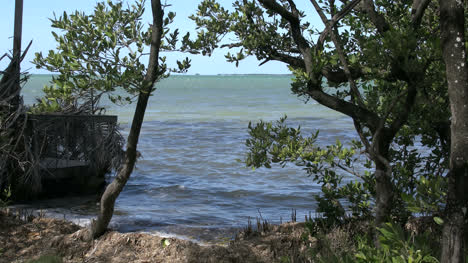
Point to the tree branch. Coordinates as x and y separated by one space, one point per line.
336 18
279 9
314 90
403 116
363 115
293 61
377 19
355 94
296 32
417 12
339 76
232 45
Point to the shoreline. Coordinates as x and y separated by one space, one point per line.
38 236
201 235
195 74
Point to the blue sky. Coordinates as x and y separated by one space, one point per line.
36 27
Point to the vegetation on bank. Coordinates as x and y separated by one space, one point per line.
43 238
397 69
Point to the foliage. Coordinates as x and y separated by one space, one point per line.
396 247
332 167
325 253
47 259
276 143
429 196
56 99
394 91
6 196
100 53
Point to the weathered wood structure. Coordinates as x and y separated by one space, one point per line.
71 153
51 154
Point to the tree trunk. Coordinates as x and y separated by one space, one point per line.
99 226
16 72
18 28
384 193
454 53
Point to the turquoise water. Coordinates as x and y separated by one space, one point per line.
189 181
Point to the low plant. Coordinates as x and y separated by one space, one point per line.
349 243
6 196
396 246
325 251
47 259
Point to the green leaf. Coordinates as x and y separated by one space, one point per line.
165 242
438 220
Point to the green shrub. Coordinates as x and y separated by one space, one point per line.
396 247
349 244
47 259
5 198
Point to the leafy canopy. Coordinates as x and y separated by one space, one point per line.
101 53
376 62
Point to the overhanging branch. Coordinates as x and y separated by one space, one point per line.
377 19
417 11
355 94
336 18
296 31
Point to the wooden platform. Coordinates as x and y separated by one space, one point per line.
65 147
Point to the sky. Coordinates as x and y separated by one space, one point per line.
36 27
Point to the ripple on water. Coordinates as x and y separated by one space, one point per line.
189 182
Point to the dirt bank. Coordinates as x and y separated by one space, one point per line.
21 241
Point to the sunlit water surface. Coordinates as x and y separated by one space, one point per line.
190 181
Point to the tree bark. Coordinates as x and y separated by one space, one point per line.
452 22
18 28
99 226
384 190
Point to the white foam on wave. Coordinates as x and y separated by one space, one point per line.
82 221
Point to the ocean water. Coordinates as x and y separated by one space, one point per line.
189 181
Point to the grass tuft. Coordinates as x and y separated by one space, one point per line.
47 259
